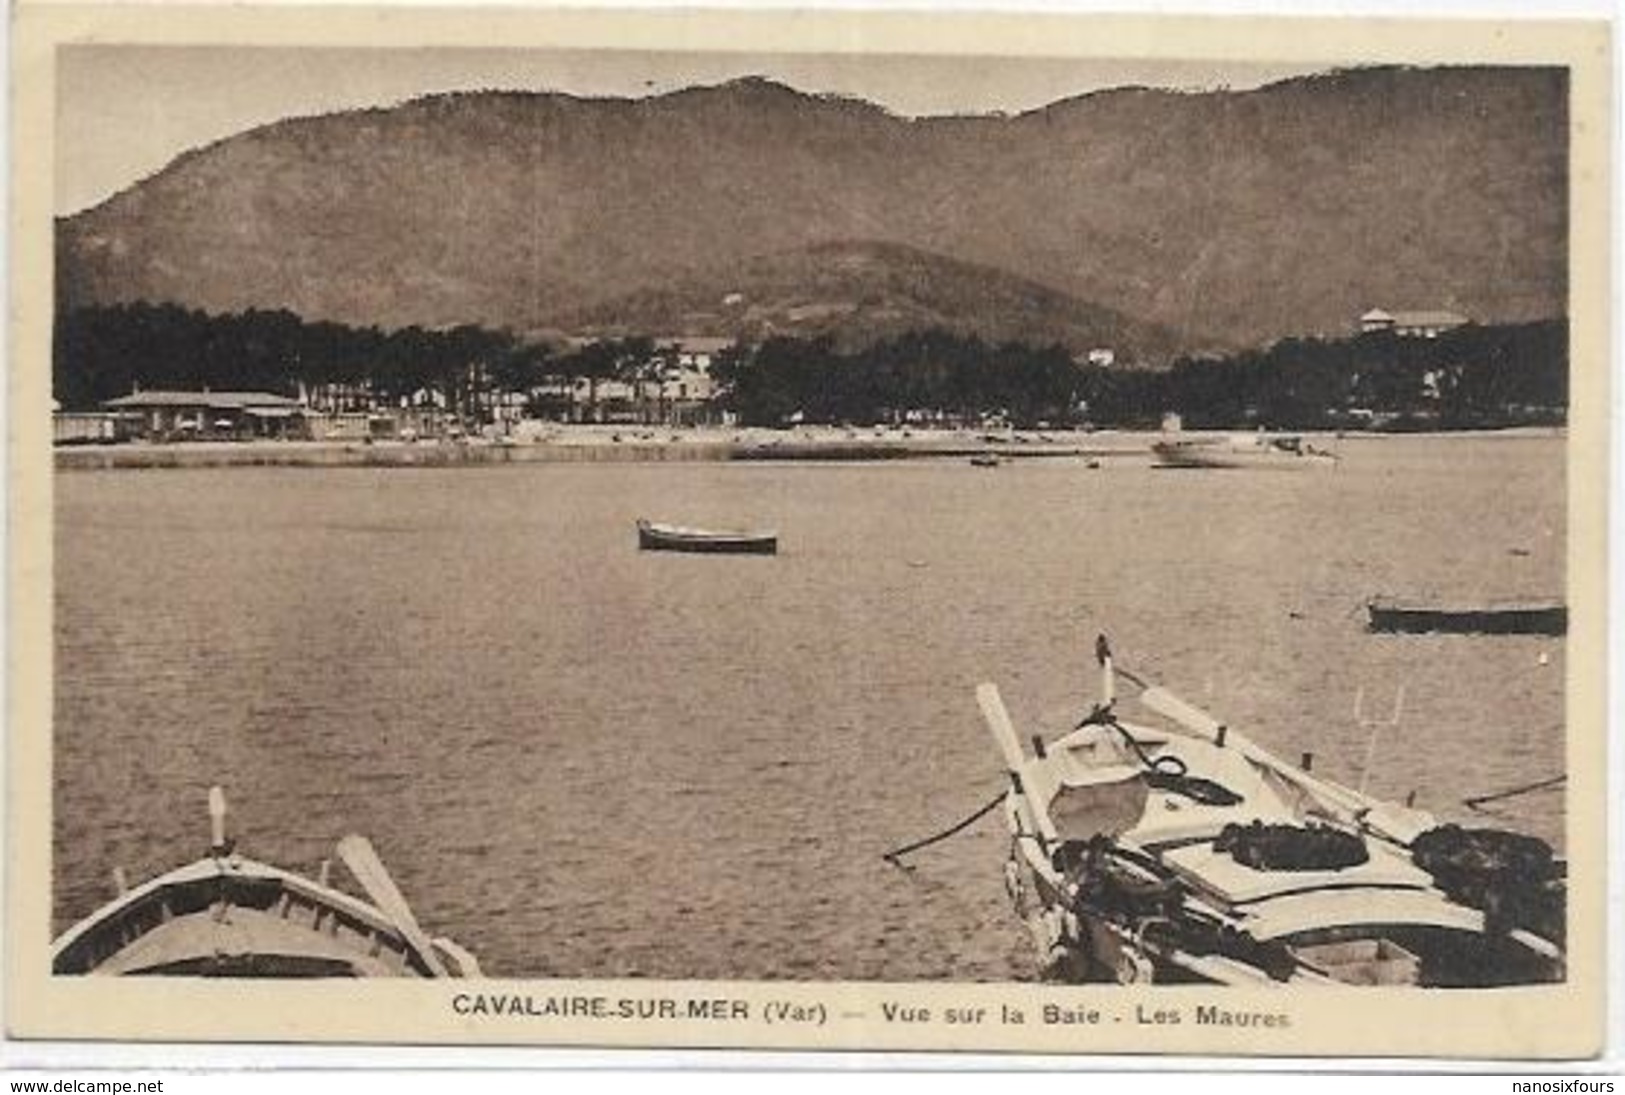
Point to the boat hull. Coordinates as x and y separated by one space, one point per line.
1219 454
1504 620
234 917
1081 943
700 542
1190 854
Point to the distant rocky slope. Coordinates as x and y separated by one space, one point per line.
1157 220
859 292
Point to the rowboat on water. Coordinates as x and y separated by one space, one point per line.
228 916
657 537
1507 618
1240 451
985 460
1186 853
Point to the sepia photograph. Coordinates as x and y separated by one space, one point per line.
1040 542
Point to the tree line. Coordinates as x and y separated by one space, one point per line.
932 373
101 353
1472 376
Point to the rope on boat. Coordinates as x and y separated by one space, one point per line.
894 857
1512 792
1166 772
1103 716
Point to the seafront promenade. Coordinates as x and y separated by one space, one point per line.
586 444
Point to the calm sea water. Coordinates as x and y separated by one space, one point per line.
582 760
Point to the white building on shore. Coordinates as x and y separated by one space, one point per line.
1422 324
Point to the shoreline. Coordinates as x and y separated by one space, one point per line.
596 445
577 445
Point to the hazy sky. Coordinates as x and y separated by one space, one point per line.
125 111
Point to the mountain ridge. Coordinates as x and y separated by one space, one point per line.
1231 217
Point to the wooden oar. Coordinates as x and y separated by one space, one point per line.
1204 725
1192 718
358 855
1015 760
1398 824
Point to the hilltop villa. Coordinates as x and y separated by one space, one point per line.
1411 324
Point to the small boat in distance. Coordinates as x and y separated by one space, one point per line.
1183 852
228 916
985 460
1240 451
1506 618
658 537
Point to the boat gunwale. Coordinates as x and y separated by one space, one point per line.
238 868
691 534
1396 604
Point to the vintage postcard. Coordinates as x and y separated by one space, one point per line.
807 530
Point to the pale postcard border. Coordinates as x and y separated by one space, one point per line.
1561 1022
